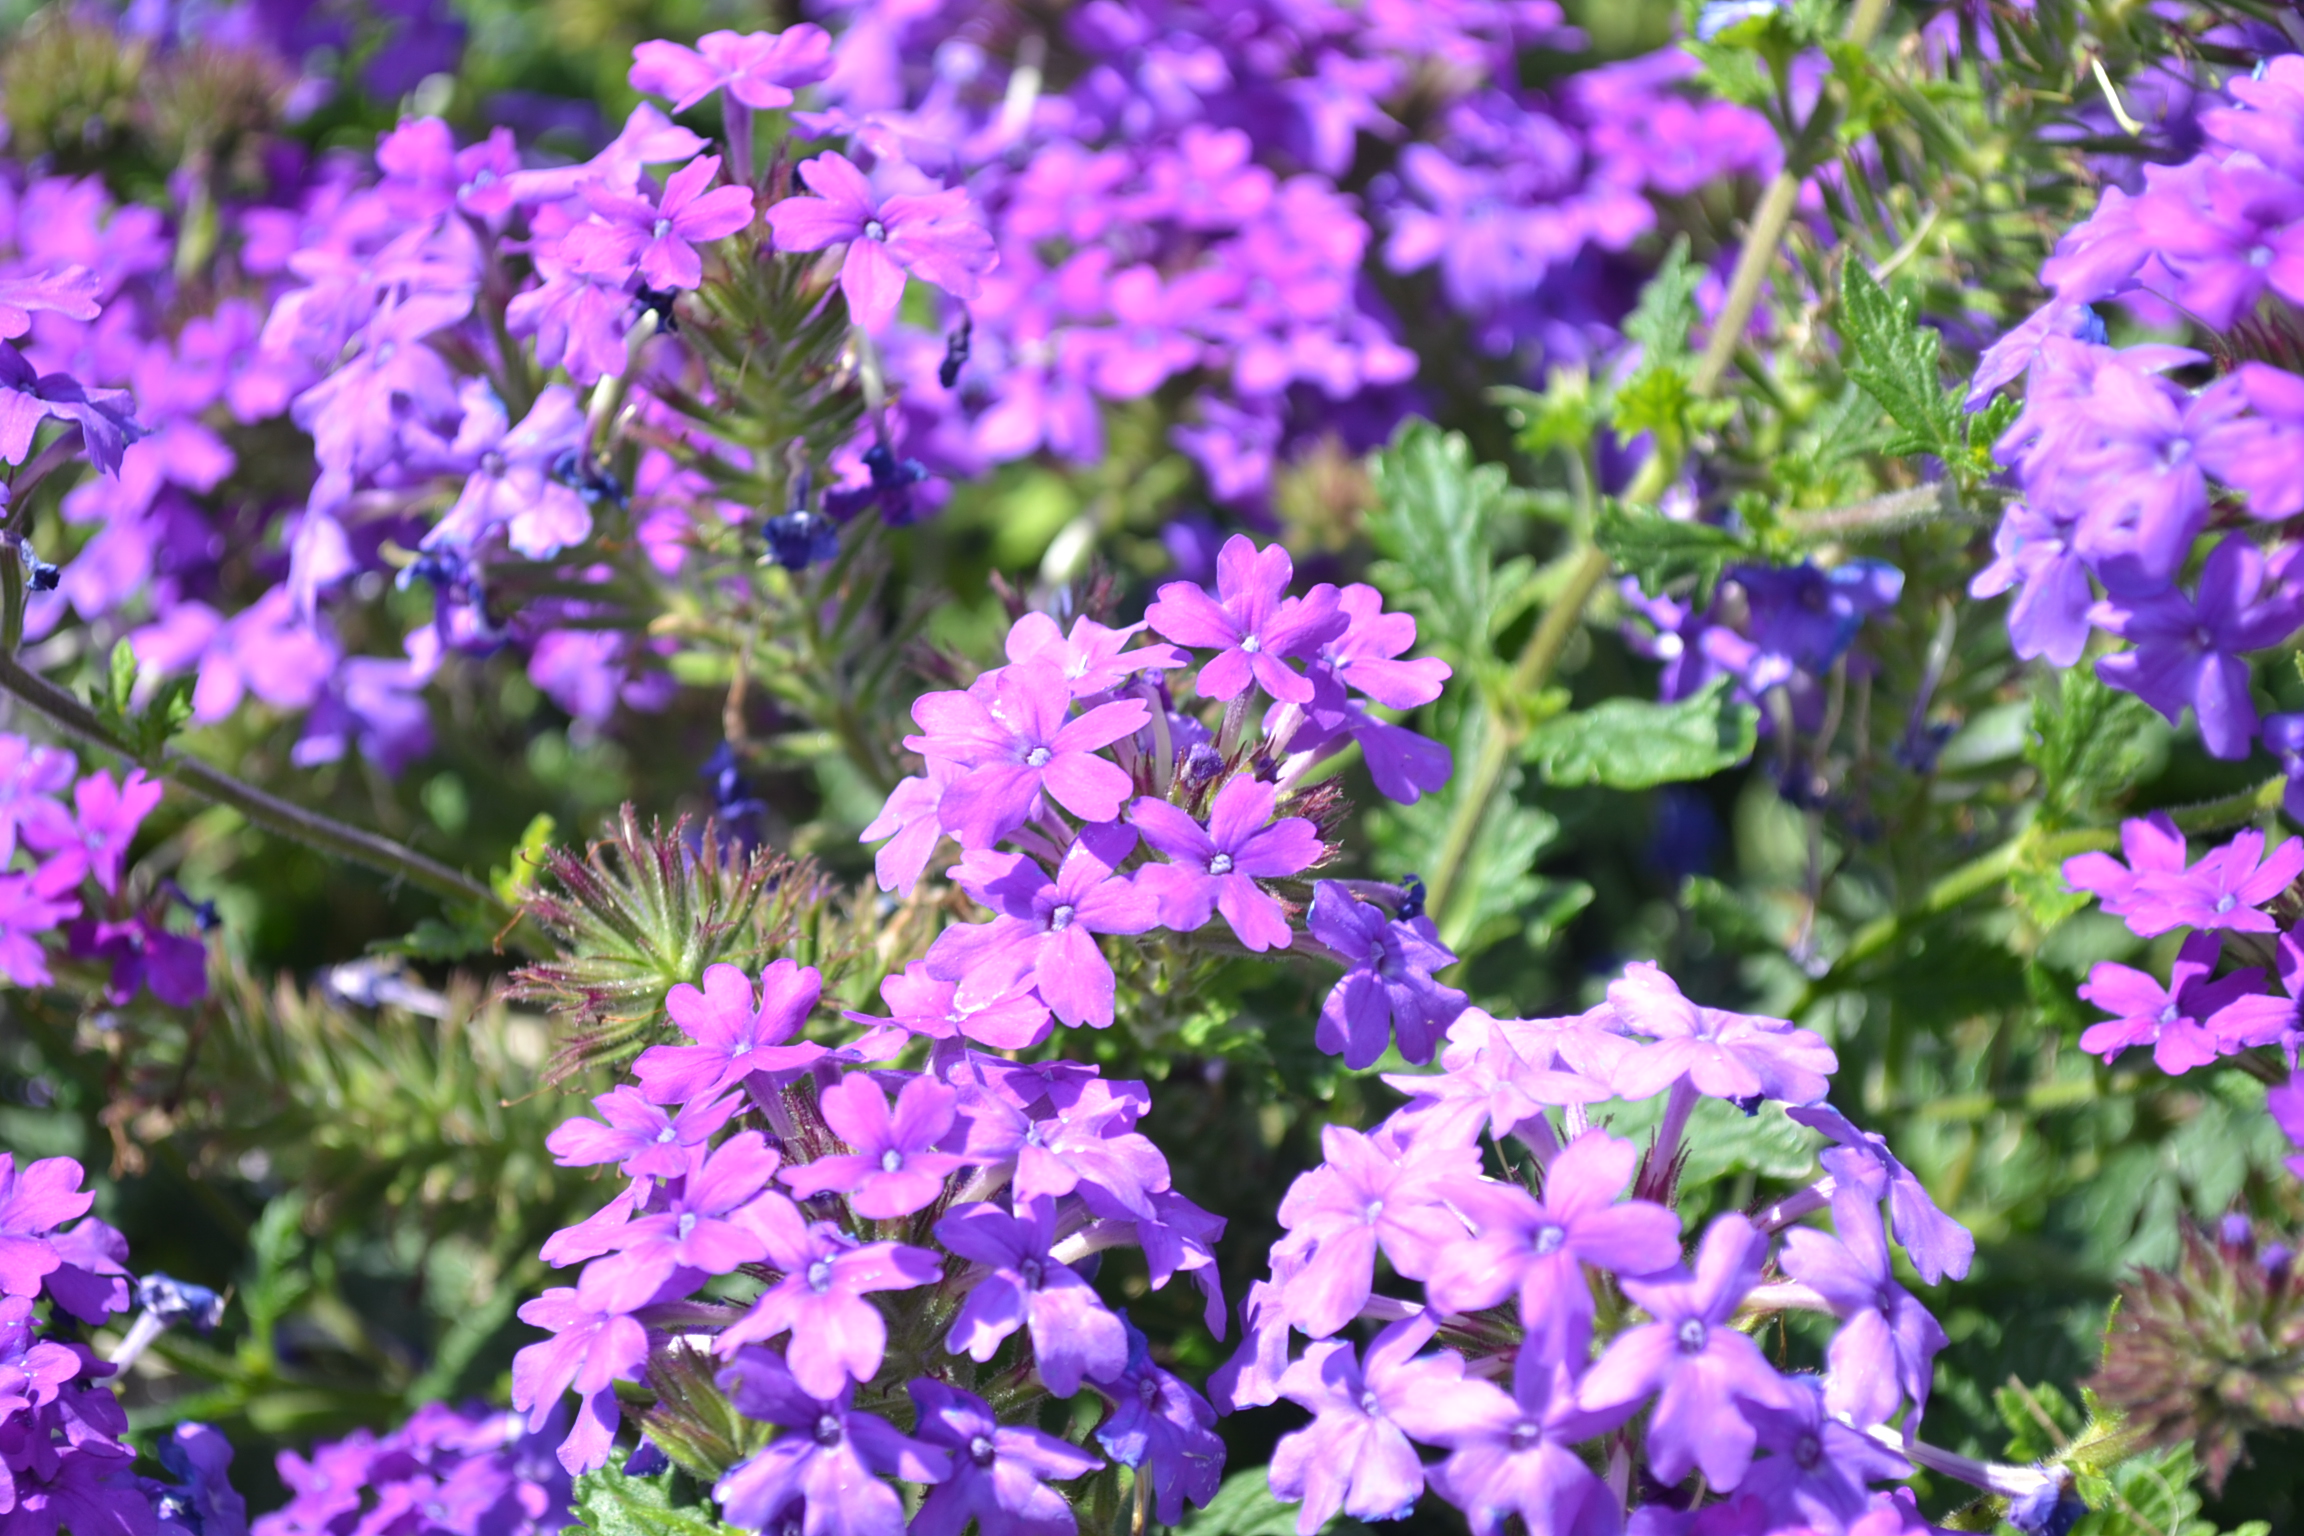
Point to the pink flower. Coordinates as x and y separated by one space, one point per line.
660 238
759 69
934 236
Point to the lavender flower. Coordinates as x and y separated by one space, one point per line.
1387 994
831 1464
999 1473
1026 1286
931 235
1216 868
1251 623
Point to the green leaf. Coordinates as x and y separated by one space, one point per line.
1436 529
1892 358
1635 744
2091 744
1660 551
1563 416
669 1504
1667 309
1244 1506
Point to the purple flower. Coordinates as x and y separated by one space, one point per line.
576 314
1817 1477
910 823
142 952
704 1227
592 1348
1367 1194
2190 1022
997 1470
2225 890
2189 651
1028 1287
29 775
935 236
640 1138
512 486
28 398
928 1005
1886 1347
1354 1456
1722 1054
1387 989
1045 933
1165 1430
34 1202
1516 1455
734 1039
1361 655
660 238
2034 551
1012 736
1091 657
831 1461
759 69
895 1169
1691 1357
1937 1244
2138 463
106 816
1216 868
31 905
1804 618
1538 1249
1252 622
837 1335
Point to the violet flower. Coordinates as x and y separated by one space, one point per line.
2153 846
1073 1335
1045 933
1252 623
28 398
930 1005
1538 1247
1367 1194
838 1337
895 1168
1818 1473
34 1201
1091 656
734 1038
512 486
1387 991
104 822
999 1473
759 69
1013 737
2190 1022
1884 1352
659 239
704 1227
1363 654
1938 1245
69 291
832 1462
1693 1360
1724 1055
934 236
1163 1429
1355 1455
1215 868
2188 651
592 1347
1517 1454
640 1137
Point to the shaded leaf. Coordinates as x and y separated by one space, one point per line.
1636 744
1659 551
1892 358
1436 531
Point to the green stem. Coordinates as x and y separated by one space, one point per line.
268 811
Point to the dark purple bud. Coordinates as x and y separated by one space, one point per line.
801 538
646 1459
588 478
2051 1509
179 1301
955 353
658 302
1411 898
1201 764
39 575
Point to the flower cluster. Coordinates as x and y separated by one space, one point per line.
64 1458
1124 809
1576 1284
447 1471
72 879
848 1244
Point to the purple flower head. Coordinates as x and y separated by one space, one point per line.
106 816
27 398
1013 737
1362 654
1162 1428
1025 1286
1722 1054
702 1228
895 1169
2190 1022
659 240
911 825
591 1348
1808 617
1045 933
837 1335
999 1473
1693 1360
1498 1081
1818 1473
1215 868
31 905
34 1202
1355 1455
1092 657
640 1138
2153 846
2188 651
1367 1193
734 1039
1387 990
512 485
1537 1249
31 1370
1937 1244
1884 1352
830 1460
143 953
29 776
1516 1454
2225 890
935 236
759 69
1252 622
2014 353
2034 553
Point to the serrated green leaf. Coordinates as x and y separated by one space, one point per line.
1244 1506
1892 358
1667 309
1562 417
608 1503
120 674
1659 551
1655 400
1436 529
1636 744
